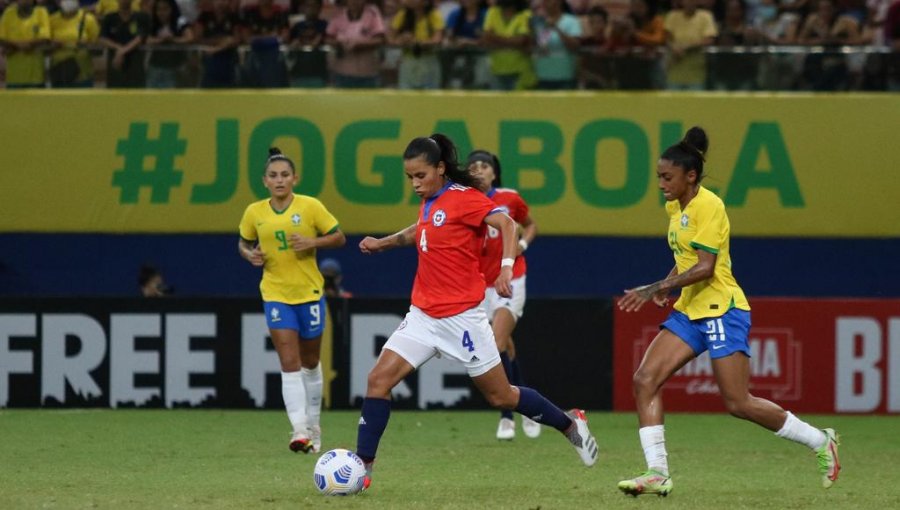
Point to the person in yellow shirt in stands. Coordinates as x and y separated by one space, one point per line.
24 34
688 31
72 28
419 29
507 35
104 7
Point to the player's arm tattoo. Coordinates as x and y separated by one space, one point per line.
702 270
405 237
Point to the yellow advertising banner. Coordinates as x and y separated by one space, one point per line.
191 161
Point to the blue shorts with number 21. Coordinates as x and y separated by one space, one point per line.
721 336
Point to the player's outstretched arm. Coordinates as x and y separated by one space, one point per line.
635 298
405 237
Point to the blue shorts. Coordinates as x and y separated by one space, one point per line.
307 319
721 336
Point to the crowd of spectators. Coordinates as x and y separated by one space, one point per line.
422 44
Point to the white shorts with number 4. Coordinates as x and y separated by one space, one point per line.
466 337
515 304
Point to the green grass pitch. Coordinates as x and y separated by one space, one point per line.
430 459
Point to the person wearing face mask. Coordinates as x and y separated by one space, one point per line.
72 28
24 33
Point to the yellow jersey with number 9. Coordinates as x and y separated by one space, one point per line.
288 276
703 225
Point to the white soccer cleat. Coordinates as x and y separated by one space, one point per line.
580 437
530 427
315 437
506 429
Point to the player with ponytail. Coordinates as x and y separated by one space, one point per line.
281 234
712 314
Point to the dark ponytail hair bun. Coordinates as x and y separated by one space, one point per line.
276 155
690 152
696 139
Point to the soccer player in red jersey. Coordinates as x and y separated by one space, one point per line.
446 317
504 312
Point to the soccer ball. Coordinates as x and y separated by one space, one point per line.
339 472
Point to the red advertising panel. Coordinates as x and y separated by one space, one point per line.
810 356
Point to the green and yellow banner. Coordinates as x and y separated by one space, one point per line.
191 161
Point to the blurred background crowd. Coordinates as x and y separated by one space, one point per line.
469 44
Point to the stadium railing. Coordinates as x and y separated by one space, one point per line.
730 68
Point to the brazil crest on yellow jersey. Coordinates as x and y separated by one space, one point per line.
703 225
288 277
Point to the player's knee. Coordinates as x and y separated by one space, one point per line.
642 382
290 364
310 361
737 407
379 384
501 399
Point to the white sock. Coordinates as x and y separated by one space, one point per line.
312 380
653 440
801 432
294 395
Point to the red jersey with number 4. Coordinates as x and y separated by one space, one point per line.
449 235
512 204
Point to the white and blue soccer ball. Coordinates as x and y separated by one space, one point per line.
339 472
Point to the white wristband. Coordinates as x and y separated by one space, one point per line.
508 262
523 244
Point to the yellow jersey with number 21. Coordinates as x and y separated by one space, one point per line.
703 225
288 277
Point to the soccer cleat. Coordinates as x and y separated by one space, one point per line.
506 429
315 437
300 442
651 482
580 437
530 427
827 455
367 480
